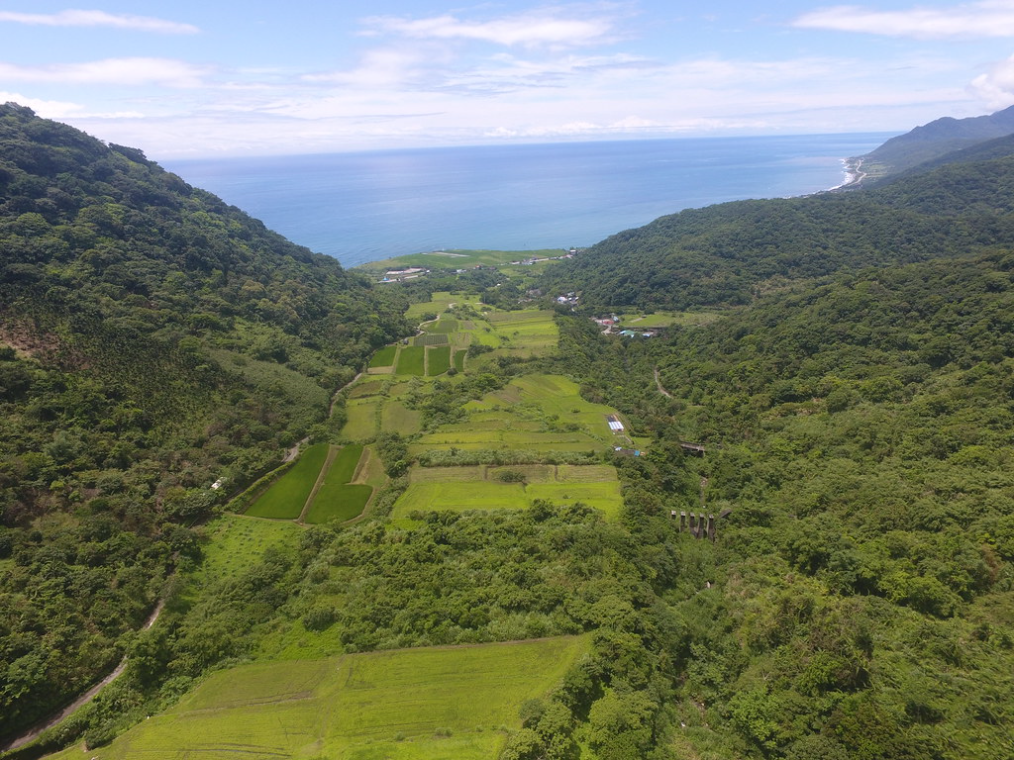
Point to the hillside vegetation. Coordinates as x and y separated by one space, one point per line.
153 341
834 383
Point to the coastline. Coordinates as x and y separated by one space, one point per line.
854 174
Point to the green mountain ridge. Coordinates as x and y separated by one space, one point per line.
936 139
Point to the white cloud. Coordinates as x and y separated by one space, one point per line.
48 109
549 28
993 18
99 18
121 71
996 87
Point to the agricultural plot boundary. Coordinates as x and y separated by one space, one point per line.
318 488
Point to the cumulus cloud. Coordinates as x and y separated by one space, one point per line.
99 18
992 18
48 109
546 28
996 87
121 71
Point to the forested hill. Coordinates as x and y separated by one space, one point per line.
153 340
726 254
938 138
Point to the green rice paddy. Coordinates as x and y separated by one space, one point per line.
412 361
285 499
384 357
414 704
438 360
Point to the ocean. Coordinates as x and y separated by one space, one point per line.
361 207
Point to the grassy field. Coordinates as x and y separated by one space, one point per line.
458 496
481 487
234 543
398 418
361 422
438 360
417 704
459 360
461 259
411 361
285 499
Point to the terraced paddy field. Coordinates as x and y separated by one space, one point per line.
417 704
384 357
285 499
509 487
412 361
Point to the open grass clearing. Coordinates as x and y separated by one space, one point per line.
285 499
458 488
367 387
359 707
361 418
460 496
398 418
234 543
371 470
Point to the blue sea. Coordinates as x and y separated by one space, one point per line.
361 207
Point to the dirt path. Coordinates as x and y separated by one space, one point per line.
294 451
85 698
658 383
334 398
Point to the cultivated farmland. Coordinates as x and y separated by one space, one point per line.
421 704
285 499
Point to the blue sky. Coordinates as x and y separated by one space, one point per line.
210 78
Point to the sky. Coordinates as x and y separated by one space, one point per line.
263 77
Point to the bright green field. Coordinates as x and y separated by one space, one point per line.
384 357
459 360
478 487
461 258
285 498
336 499
438 360
338 502
359 707
411 361
460 496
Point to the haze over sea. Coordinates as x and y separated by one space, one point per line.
361 207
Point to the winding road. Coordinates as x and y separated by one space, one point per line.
85 698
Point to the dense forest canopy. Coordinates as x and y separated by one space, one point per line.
153 340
